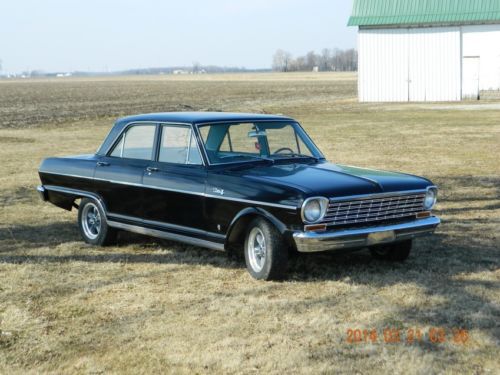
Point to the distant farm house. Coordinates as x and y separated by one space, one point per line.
432 50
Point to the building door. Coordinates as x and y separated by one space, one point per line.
414 64
470 77
434 64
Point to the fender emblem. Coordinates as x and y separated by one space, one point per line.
218 191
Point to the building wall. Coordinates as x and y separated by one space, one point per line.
484 41
382 65
417 64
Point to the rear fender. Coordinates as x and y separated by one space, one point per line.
65 197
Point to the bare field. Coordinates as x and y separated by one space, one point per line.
148 306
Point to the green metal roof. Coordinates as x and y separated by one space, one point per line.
417 12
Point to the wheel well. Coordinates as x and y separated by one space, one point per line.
236 238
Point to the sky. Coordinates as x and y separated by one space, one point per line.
113 35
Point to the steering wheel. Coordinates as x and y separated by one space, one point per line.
283 149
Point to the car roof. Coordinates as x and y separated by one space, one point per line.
184 118
201 117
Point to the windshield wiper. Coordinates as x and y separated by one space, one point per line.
254 157
296 155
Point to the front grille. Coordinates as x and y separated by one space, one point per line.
371 209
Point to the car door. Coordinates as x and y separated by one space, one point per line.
118 175
175 183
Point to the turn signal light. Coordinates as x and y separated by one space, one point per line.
315 227
421 215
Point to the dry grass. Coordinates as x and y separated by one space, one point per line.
146 306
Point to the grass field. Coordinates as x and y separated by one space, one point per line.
148 306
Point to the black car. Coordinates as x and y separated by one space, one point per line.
239 182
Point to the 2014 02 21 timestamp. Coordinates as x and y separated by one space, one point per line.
412 335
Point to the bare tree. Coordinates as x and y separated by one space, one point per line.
281 61
324 60
328 60
311 60
196 67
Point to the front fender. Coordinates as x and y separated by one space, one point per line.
239 224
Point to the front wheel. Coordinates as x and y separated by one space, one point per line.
395 252
266 254
92 224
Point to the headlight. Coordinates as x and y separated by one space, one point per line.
430 198
314 209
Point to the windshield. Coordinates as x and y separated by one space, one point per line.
237 142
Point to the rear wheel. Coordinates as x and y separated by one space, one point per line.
266 254
395 252
92 223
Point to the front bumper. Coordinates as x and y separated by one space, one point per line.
308 242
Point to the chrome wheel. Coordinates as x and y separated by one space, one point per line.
256 248
91 221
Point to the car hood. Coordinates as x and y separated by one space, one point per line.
334 180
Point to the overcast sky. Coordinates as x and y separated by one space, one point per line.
67 35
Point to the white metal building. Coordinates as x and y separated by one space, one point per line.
427 50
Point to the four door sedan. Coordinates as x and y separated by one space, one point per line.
240 182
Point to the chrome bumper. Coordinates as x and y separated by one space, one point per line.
308 242
42 192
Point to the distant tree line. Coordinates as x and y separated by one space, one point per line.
336 60
196 68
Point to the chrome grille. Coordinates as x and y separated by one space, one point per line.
373 209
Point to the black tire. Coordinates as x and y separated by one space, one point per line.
394 252
275 253
102 234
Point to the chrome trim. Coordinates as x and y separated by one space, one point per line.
243 121
42 192
167 235
308 242
377 195
82 193
152 232
191 135
302 216
123 143
259 203
188 153
165 225
128 124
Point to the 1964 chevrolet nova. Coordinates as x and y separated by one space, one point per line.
254 183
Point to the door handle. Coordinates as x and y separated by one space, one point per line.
102 164
152 169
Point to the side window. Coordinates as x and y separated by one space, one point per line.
136 143
178 145
118 150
